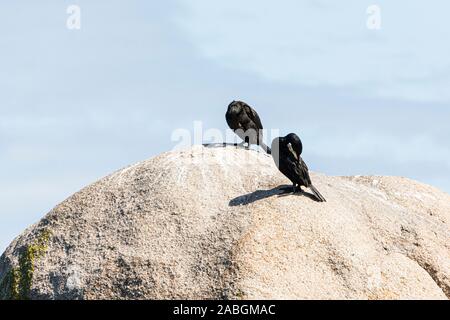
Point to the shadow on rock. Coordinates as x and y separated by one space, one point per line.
280 191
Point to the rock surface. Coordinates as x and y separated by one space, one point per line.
211 223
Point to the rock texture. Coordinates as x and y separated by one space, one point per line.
212 223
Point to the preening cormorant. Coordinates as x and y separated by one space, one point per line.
286 153
245 122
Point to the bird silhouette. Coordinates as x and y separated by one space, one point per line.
246 124
286 153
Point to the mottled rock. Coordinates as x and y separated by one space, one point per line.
213 223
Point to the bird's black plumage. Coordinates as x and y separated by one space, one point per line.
296 143
245 122
286 153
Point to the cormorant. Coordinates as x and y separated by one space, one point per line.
245 122
286 152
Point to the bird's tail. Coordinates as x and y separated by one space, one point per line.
265 148
317 194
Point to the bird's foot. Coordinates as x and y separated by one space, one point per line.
247 142
216 145
240 145
298 189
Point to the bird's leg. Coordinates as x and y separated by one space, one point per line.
247 141
299 189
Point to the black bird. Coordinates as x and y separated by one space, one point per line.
245 122
286 152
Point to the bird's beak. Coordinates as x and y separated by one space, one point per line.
291 150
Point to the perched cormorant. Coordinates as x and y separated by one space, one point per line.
245 122
286 152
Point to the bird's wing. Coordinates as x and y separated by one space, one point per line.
251 113
303 172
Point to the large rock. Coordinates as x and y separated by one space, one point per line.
211 223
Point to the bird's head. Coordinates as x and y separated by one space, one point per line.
235 106
295 144
292 137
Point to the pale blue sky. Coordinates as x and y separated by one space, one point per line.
77 105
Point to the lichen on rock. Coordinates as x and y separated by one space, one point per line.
17 283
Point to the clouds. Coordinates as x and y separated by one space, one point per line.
327 43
